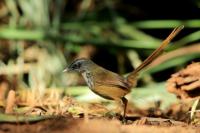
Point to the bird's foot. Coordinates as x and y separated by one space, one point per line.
124 120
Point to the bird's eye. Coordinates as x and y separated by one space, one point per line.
76 66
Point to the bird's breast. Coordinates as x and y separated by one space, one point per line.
88 79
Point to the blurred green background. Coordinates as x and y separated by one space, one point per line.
38 38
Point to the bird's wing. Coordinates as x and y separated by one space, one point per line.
109 78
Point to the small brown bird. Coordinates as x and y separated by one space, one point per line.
110 85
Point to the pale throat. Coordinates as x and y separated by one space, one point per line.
88 79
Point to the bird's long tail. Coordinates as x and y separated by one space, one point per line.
131 78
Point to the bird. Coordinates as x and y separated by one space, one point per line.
110 85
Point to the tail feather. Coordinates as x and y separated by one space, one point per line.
131 78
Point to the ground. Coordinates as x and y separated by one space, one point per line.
99 125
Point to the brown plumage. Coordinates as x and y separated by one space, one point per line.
110 85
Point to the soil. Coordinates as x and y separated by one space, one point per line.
97 125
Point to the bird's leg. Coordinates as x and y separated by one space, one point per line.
125 101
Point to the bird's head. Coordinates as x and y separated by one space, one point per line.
79 65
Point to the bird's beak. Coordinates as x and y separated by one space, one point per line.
66 70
